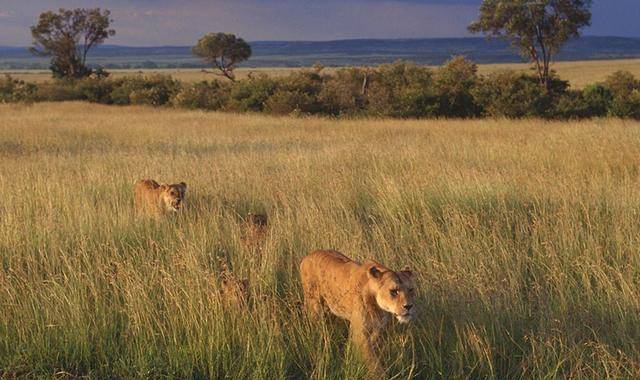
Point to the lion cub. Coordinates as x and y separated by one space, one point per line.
366 295
234 290
155 198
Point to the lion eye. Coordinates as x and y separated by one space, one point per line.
394 292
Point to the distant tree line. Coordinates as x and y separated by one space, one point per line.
537 28
399 90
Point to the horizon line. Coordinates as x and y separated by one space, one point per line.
342 40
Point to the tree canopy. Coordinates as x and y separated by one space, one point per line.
224 51
68 36
538 28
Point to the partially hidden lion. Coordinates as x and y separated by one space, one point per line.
367 295
158 199
235 291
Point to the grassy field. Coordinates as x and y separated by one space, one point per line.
578 73
524 236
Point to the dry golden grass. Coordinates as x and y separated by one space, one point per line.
524 237
578 73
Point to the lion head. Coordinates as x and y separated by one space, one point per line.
394 291
172 196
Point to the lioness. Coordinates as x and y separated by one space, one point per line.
155 198
367 295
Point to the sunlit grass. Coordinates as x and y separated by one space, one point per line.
524 236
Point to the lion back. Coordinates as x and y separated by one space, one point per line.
145 190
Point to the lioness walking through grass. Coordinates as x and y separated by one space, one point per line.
157 199
366 295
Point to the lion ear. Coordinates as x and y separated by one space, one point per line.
374 270
164 187
407 271
183 185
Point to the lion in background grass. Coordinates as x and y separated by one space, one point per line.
366 295
157 199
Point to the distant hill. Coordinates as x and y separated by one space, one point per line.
335 53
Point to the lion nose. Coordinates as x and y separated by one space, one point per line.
408 306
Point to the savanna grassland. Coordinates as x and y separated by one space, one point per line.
578 73
524 236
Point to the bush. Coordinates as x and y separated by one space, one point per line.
627 107
625 93
402 90
205 95
571 106
95 89
454 82
155 90
14 90
251 94
297 93
153 96
57 91
341 93
285 102
598 99
515 95
305 81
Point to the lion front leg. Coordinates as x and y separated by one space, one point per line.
363 341
312 302
376 332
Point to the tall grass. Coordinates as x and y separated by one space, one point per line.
524 236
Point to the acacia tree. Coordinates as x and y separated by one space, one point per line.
68 36
538 28
224 51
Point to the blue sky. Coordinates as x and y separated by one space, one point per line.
164 22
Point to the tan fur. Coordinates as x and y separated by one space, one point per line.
234 290
157 199
359 293
256 220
